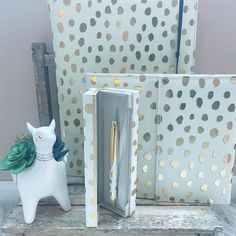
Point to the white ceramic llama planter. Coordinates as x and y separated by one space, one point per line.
46 177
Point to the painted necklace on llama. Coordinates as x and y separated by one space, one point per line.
38 165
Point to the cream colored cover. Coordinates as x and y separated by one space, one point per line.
187 133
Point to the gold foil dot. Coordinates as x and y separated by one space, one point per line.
201 175
216 82
61 44
204 188
165 191
187 129
226 139
191 165
224 191
148 184
148 156
205 145
187 153
172 199
105 86
74 100
125 35
132 169
174 163
74 68
133 124
213 168
223 173
141 117
217 183
149 94
94 80
159 150
179 141
126 84
183 174
230 125
63 133
160 177
60 27
214 133
175 185
117 81
202 158
122 70
185 80
170 151
145 168
189 184
200 129
211 201
140 146
77 52
192 139
215 154
202 83
118 24
227 158
66 58
233 80
75 152
189 194
78 7
76 140
61 13
161 163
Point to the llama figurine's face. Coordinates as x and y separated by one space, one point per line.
44 137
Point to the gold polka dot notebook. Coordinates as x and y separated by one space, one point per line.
115 36
186 135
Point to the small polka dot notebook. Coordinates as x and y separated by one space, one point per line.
111 134
115 36
187 134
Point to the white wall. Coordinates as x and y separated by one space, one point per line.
26 21
21 23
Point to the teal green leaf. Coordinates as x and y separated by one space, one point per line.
23 154
58 150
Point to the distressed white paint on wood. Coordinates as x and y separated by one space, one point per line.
171 220
168 219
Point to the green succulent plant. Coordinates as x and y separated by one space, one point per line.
23 154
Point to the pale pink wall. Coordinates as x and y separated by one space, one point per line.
216 37
21 23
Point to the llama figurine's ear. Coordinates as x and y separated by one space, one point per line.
52 125
30 128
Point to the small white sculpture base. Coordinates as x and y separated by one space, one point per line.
46 177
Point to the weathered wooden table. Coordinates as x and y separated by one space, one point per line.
150 219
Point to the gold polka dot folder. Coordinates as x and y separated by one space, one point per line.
187 134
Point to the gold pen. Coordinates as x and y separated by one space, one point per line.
113 161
